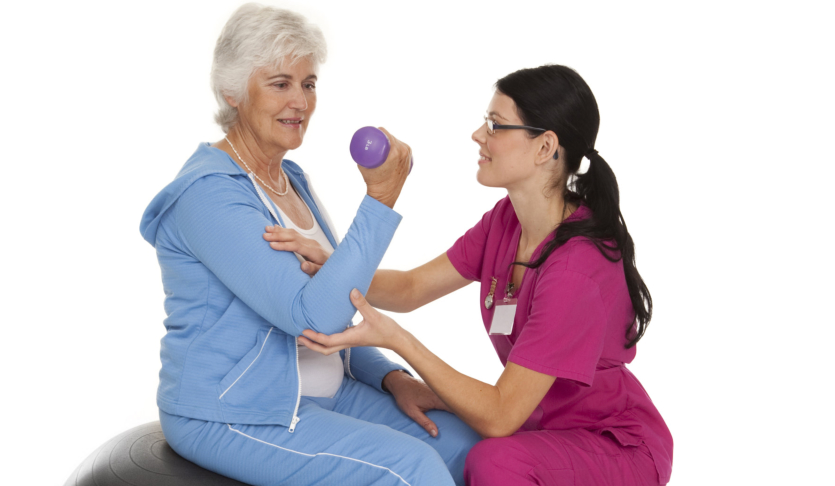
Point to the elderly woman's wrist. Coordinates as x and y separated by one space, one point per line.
394 377
387 199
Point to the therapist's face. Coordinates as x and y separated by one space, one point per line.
506 157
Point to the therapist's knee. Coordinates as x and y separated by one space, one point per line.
489 462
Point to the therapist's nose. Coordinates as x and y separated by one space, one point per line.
480 135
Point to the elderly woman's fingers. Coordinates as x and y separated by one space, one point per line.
294 246
278 233
285 245
310 268
418 416
398 149
282 239
385 182
389 136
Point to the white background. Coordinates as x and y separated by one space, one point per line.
716 118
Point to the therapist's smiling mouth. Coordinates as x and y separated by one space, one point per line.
483 158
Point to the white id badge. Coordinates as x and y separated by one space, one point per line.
503 316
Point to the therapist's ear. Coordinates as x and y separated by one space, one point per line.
548 148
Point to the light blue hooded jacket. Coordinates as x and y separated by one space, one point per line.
235 306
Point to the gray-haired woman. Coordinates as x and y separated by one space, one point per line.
237 394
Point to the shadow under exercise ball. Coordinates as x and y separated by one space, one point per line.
142 457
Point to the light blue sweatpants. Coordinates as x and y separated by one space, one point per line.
358 437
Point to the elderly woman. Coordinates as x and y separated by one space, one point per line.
238 395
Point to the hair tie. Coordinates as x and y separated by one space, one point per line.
590 153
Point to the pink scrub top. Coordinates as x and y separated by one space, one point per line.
571 320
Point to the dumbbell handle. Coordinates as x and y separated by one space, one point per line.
370 147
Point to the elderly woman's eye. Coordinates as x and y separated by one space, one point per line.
280 85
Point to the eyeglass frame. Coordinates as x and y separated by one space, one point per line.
493 126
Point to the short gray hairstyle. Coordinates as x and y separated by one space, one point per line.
257 36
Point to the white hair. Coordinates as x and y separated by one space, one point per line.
256 36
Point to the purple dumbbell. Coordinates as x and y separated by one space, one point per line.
370 148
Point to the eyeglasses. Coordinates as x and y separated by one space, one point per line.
493 126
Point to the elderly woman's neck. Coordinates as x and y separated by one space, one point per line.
263 159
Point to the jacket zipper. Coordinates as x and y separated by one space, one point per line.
296 418
348 363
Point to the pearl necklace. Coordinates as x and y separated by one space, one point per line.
286 181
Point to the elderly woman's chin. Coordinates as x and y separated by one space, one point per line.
288 137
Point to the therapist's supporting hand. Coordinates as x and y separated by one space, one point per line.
491 410
380 330
414 398
283 239
376 329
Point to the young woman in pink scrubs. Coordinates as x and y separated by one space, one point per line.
560 296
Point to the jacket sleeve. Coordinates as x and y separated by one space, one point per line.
369 366
221 223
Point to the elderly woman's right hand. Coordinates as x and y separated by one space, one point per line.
385 182
283 239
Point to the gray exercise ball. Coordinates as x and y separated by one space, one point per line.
142 457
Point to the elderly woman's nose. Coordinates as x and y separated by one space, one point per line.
298 100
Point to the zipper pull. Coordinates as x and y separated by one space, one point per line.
293 424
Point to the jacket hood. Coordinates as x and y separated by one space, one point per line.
205 161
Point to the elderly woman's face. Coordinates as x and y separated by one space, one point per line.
280 104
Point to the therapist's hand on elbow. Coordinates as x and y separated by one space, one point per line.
379 330
376 329
283 239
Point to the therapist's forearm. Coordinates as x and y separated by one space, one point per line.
398 291
478 404
391 290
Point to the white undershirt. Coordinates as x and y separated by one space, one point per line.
321 375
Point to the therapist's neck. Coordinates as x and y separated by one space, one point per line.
539 213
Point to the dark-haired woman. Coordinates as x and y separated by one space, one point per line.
560 296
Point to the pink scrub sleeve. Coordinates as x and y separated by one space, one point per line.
566 327
467 254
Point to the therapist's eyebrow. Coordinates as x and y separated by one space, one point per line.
494 114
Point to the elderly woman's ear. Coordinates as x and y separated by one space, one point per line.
232 101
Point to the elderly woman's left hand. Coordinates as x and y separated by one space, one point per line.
414 398
283 239
376 329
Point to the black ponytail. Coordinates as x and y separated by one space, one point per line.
557 98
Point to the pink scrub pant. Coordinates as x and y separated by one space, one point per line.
558 458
